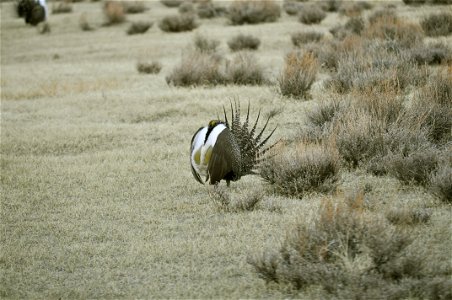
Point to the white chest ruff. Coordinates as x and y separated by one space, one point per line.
202 151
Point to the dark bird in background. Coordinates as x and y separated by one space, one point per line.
228 151
33 11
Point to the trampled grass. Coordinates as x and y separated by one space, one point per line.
97 197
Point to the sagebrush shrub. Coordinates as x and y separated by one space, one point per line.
149 68
297 172
349 254
139 27
441 182
205 44
244 69
134 7
311 14
114 12
291 7
298 75
432 54
178 23
243 42
300 38
198 68
437 24
253 12
331 5
414 2
407 216
414 168
391 28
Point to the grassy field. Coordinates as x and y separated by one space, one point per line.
97 197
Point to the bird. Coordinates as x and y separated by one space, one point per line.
33 11
228 151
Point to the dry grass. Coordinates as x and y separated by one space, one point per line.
298 75
62 8
134 7
97 197
437 24
149 68
300 38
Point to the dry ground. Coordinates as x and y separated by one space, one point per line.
97 197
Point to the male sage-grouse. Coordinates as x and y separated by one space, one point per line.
227 151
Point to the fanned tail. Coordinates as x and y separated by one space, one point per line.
251 147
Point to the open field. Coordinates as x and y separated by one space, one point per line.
97 196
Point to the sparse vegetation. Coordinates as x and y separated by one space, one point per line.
139 27
253 12
441 182
344 244
178 23
243 42
244 69
222 199
204 44
149 68
437 24
134 7
298 75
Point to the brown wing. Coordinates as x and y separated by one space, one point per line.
225 159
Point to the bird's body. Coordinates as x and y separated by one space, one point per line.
33 11
223 152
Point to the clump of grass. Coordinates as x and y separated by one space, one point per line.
441 182
244 69
206 9
297 172
389 27
135 7
139 27
355 25
414 168
326 112
300 38
437 24
242 42
407 216
298 75
171 3
61 8
432 54
205 44
246 202
198 68
432 108
149 68
178 23
253 12
311 14
114 12
354 8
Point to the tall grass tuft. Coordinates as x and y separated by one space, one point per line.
244 69
304 37
311 14
298 75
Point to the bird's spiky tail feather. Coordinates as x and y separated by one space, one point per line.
252 148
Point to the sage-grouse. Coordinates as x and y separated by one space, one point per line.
227 151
